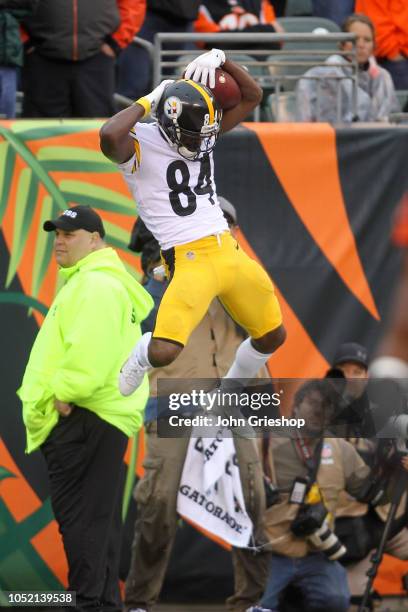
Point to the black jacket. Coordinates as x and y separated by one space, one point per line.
72 29
186 10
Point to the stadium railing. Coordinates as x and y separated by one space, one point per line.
275 70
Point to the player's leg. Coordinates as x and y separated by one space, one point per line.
251 301
192 287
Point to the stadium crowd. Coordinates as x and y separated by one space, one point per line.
69 62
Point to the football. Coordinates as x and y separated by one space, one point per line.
226 90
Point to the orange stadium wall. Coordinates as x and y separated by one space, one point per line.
315 207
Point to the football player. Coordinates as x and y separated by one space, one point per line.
168 166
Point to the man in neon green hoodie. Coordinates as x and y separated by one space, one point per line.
72 408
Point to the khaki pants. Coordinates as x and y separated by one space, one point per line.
156 522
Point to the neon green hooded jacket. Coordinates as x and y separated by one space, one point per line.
87 335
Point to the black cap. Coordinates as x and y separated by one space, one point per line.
77 217
351 352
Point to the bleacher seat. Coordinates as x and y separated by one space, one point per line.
280 107
254 67
402 95
308 25
291 65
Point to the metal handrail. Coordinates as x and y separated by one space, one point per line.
160 55
148 46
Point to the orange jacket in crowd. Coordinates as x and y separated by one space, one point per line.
390 18
206 23
132 15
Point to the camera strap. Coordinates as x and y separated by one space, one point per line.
267 460
310 458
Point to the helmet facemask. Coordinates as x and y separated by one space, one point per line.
184 118
191 144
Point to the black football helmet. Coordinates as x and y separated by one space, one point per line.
189 117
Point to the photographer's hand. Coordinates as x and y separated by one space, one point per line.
404 462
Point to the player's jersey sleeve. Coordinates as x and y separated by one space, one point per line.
130 166
400 229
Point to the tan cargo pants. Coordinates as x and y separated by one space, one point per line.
156 522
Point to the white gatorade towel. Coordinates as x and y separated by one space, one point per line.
210 493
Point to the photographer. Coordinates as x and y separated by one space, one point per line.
310 472
359 526
353 416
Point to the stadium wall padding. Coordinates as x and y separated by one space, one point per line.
315 207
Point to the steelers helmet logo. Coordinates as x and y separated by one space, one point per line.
173 107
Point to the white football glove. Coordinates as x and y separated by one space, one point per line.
203 67
151 100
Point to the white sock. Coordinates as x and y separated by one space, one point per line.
140 352
248 361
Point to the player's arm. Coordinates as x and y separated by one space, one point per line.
251 94
202 69
116 142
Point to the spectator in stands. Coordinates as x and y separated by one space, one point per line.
279 7
207 355
336 10
241 16
390 18
70 56
11 50
164 16
327 92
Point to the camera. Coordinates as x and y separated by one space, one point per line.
325 540
310 522
309 518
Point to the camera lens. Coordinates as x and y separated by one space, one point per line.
325 540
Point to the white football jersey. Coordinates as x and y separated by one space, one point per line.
176 197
